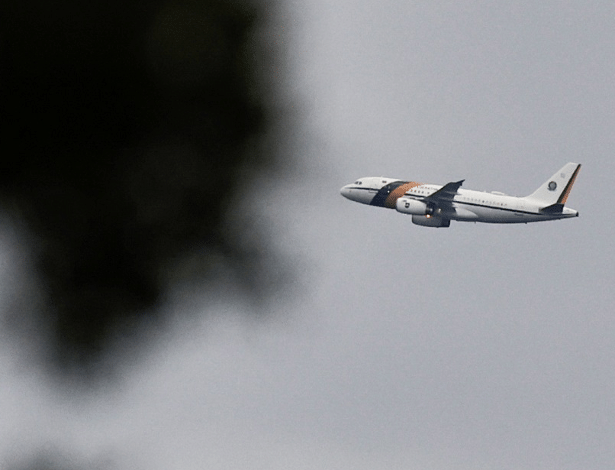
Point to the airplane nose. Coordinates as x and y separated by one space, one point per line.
345 191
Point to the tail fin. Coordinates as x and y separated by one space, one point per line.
555 191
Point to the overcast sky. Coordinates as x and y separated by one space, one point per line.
403 347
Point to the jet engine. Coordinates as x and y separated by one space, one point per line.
429 221
414 207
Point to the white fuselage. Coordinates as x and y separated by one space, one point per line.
464 205
479 206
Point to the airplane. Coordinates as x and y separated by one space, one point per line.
435 206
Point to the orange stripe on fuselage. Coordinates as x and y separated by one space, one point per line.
399 192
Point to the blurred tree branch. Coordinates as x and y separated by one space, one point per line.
127 130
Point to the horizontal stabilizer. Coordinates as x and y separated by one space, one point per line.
553 209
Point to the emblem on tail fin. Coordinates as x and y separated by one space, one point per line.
557 188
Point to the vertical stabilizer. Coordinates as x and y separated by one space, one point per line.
556 189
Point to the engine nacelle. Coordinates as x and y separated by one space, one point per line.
413 207
430 221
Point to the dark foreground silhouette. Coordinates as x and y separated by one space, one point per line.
128 130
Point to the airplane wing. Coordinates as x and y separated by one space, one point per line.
444 196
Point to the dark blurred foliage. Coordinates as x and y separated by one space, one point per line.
52 458
48 461
128 128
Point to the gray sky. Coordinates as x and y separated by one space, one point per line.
402 347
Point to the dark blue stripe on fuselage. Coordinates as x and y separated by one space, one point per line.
498 208
384 192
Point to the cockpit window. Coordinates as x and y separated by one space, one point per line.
358 182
